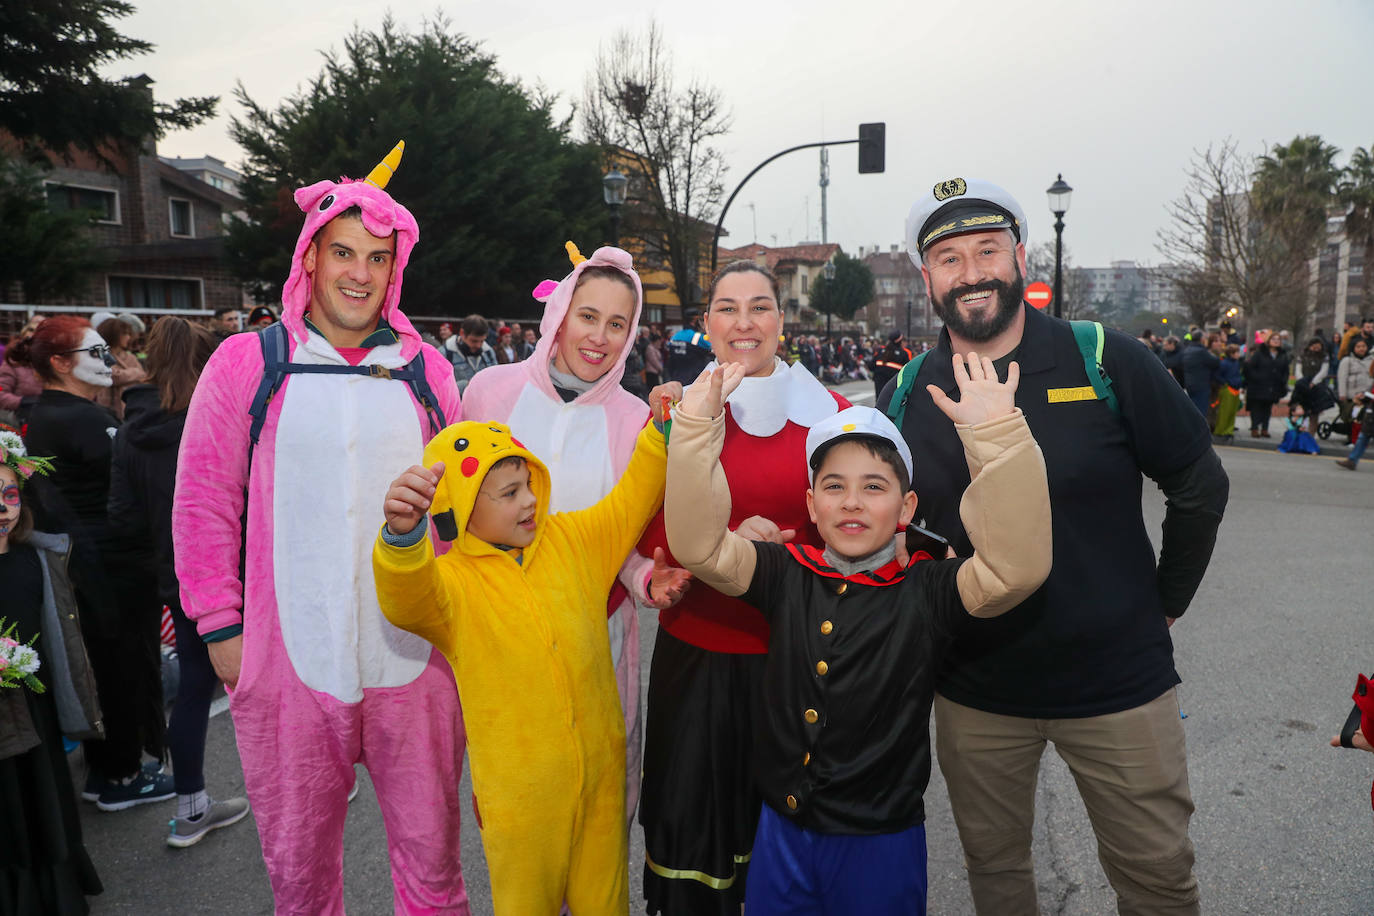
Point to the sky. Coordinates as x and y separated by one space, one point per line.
1116 95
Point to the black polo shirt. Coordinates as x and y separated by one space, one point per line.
1093 639
842 737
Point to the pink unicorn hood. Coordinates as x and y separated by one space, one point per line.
557 297
381 216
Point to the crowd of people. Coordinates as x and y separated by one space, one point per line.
1221 372
398 548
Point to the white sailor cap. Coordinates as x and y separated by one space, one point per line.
955 206
854 423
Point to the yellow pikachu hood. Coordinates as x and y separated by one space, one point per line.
468 451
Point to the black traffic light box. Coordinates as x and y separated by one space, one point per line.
872 147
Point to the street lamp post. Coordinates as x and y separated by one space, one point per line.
613 186
1059 205
829 271
908 317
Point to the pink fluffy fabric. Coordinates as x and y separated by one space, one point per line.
321 202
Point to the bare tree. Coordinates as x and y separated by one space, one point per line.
633 108
1040 266
1217 236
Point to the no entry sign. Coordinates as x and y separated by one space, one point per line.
1039 294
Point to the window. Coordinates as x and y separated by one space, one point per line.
104 202
217 182
180 217
804 278
137 294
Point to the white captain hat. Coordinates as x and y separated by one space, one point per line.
854 423
955 206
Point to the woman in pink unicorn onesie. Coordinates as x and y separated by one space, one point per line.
319 679
566 404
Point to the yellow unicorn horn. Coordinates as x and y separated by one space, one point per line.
573 254
379 176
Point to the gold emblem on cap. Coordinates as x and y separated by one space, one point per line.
849 427
953 187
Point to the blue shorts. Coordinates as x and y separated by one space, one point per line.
798 872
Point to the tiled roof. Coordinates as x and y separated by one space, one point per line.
811 255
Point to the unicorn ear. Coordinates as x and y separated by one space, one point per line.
573 254
379 176
544 290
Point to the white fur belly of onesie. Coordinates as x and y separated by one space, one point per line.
340 442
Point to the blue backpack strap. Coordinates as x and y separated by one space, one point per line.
413 374
906 380
1091 338
273 341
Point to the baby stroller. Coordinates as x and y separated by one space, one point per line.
1350 429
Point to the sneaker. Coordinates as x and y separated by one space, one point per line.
1346 463
95 783
186 832
142 789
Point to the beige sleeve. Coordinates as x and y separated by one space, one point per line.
696 508
1006 512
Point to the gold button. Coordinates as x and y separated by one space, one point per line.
826 627
792 802
842 588
822 668
806 759
811 716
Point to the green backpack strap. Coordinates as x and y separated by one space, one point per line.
906 380
1090 339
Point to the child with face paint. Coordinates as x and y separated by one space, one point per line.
45 863
115 582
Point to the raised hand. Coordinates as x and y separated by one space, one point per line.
672 390
667 584
410 496
981 396
706 396
758 528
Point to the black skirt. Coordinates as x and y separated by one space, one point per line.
698 805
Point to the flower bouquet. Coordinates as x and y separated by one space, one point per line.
18 661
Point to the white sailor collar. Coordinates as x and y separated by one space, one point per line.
762 406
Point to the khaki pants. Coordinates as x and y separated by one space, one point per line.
1132 771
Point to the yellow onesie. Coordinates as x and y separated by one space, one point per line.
527 642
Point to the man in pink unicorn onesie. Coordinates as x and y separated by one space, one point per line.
319 679
585 435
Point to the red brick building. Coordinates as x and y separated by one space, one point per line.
161 229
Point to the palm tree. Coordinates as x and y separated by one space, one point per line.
1295 185
1356 192
1294 188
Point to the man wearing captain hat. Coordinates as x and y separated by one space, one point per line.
1087 661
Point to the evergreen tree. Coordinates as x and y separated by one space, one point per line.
47 252
493 179
851 290
52 94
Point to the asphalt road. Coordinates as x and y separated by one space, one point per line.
1268 654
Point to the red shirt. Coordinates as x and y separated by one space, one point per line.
768 477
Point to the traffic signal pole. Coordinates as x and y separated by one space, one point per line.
871 154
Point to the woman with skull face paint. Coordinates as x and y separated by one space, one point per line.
115 579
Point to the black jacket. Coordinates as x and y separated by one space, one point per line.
143 473
1266 375
1199 364
842 717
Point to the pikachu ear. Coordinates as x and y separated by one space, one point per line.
441 510
445 528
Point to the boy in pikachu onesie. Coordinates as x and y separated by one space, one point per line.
521 600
